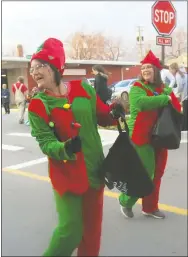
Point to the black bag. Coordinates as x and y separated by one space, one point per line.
167 131
123 169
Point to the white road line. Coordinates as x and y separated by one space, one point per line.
12 147
20 134
27 164
107 142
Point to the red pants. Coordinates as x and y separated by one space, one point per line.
92 218
150 203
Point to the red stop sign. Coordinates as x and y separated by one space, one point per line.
164 17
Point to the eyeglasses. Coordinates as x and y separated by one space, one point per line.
146 67
37 68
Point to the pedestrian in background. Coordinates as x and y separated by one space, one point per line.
181 81
167 77
100 84
20 92
5 94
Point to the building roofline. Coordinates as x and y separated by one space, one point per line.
69 61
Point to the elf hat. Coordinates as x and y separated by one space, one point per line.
152 59
51 51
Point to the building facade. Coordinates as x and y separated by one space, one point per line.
12 67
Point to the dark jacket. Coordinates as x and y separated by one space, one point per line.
5 95
101 87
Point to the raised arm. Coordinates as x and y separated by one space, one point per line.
139 99
103 111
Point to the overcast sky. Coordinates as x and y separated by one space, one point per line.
30 23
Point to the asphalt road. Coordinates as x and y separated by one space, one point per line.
29 216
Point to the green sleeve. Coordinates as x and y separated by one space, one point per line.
140 100
48 142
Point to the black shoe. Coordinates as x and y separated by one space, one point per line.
156 214
21 122
127 212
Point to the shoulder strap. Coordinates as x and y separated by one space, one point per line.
20 88
139 84
15 86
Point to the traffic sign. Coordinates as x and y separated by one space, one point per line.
164 17
164 41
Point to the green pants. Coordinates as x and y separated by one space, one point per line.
80 219
147 155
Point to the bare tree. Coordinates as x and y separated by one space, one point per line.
95 46
179 44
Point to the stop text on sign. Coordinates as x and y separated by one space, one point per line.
164 16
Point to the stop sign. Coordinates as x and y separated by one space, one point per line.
164 17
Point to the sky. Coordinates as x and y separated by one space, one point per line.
31 22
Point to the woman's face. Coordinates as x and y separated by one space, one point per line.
173 71
42 74
4 86
147 72
94 72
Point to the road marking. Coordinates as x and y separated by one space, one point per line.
104 142
31 175
27 174
12 147
27 164
20 134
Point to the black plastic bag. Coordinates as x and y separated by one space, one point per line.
123 168
167 131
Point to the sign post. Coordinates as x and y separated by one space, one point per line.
164 21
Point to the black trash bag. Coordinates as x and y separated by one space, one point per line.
167 130
123 168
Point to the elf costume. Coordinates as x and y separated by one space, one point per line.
61 121
145 101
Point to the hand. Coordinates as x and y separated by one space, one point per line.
170 99
118 111
73 146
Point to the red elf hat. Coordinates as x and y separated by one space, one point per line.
152 59
51 51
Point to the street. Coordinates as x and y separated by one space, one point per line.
29 215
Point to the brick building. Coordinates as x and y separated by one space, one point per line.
12 67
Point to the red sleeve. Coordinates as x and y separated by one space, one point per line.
104 118
13 89
24 88
175 102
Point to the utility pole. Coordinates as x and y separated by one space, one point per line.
140 41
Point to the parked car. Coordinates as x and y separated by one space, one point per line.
121 91
122 86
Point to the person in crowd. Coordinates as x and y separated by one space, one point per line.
100 83
20 92
167 77
63 119
181 81
146 97
5 96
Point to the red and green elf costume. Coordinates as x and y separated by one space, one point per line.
144 108
78 187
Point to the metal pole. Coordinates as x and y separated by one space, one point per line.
140 41
163 53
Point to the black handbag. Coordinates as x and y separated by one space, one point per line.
123 169
167 130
